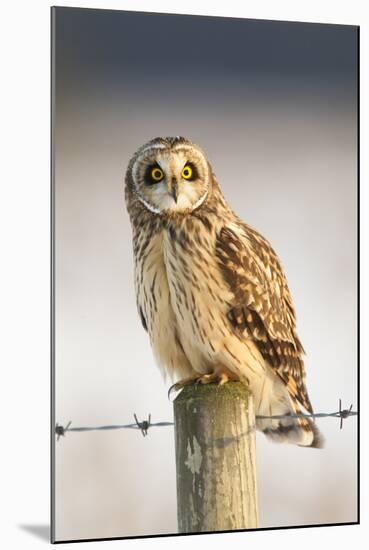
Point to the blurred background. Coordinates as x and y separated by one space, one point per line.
274 105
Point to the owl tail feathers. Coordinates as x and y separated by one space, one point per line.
303 435
298 431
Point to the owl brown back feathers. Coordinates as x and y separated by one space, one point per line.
210 289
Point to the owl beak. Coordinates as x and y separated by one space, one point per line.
173 189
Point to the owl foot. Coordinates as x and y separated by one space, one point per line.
213 378
216 378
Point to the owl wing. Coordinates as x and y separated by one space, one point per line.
262 308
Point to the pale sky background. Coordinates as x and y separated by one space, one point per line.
274 106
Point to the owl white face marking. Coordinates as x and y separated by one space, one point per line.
170 179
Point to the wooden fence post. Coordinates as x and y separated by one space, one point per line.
215 458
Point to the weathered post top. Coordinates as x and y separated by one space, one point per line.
215 458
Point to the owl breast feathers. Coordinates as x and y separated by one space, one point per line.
210 290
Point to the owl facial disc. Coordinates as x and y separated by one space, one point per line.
170 175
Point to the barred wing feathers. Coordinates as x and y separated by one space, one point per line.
262 307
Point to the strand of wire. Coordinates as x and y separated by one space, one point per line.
144 425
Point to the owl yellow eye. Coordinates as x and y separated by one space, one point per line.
187 172
156 174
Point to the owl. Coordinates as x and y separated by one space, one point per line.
210 290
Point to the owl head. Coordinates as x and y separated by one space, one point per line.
169 176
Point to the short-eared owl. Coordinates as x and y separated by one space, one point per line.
210 289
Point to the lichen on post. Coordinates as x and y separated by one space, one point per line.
215 458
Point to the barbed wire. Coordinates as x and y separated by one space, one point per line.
144 425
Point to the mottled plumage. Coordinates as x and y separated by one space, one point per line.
210 289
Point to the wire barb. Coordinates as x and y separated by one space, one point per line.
144 425
344 413
60 430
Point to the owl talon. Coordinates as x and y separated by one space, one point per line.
181 384
173 388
